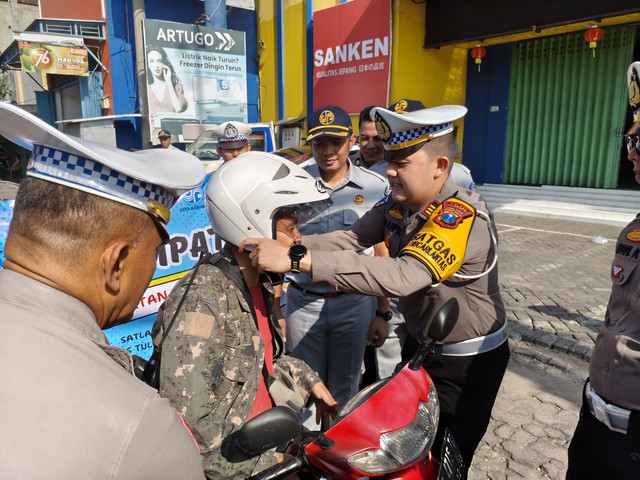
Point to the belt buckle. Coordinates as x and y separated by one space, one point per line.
599 409
618 417
330 294
602 410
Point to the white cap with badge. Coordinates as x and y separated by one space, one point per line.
149 180
403 130
232 134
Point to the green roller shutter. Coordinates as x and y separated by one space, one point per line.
565 108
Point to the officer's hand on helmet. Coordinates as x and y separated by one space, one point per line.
267 255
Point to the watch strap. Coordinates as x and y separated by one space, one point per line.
386 316
295 265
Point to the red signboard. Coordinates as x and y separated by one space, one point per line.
352 55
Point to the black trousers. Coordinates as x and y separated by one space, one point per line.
467 388
597 452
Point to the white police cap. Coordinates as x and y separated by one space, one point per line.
149 180
232 134
403 130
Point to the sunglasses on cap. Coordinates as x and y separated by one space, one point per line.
633 141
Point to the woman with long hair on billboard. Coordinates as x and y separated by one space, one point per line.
165 92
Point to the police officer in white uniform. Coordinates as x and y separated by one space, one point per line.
326 328
80 253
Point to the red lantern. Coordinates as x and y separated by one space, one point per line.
593 36
478 53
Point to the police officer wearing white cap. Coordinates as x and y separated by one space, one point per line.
79 254
442 245
383 360
326 328
459 173
606 443
233 139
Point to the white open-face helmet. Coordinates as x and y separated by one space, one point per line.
246 195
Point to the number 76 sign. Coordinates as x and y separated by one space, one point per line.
54 59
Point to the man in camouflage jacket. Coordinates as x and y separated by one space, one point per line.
212 361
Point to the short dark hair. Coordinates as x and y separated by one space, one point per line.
445 145
68 223
365 115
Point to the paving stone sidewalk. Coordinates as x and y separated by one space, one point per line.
555 280
555 283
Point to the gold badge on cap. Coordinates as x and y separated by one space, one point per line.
358 199
327 117
401 106
230 131
160 211
383 129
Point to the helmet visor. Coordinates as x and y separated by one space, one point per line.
302 213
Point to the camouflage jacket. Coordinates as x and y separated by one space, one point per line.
212 360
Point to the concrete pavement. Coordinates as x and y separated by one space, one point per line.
555 280
555 284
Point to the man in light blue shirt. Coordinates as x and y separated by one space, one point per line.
326 328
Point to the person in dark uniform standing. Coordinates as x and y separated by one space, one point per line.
442 244
166 140
606 443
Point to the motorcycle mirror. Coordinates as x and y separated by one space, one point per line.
440 327
444 320
263 432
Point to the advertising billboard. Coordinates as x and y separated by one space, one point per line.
195 75
352 55
53 59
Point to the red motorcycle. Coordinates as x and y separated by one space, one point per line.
386 430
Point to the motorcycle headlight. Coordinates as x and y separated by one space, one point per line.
401 447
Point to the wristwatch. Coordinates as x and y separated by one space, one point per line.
296 254
386 316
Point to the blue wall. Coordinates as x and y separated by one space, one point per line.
123 67
485 131
245 21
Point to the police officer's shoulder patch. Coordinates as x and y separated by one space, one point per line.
442 242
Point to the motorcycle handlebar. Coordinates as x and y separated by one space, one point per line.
282 470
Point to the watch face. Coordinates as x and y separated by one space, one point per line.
298 251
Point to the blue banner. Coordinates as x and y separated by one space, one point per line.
6 212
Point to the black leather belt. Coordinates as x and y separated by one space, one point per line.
317 294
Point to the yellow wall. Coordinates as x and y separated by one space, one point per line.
434 76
